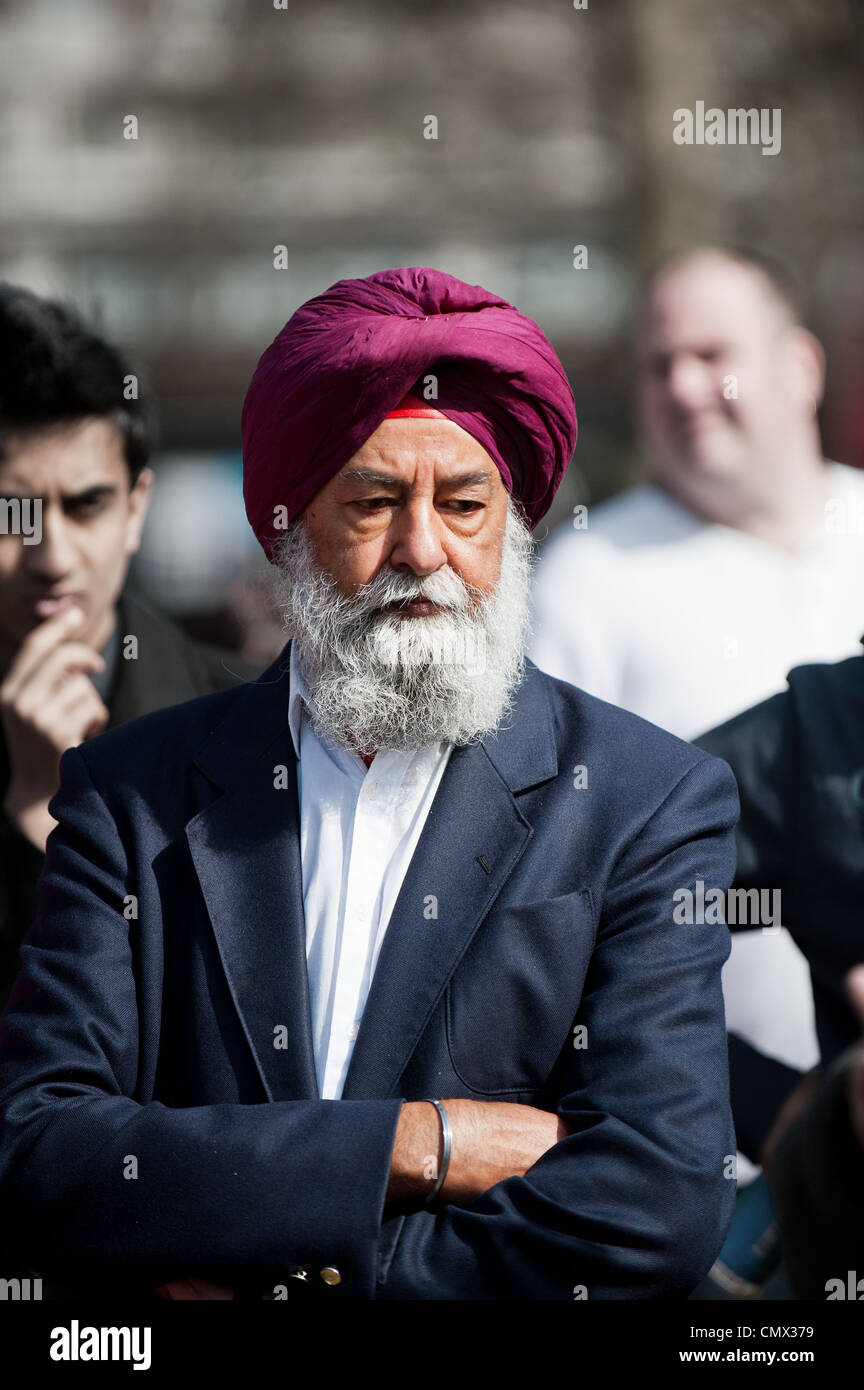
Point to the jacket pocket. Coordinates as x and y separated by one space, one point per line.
512 1003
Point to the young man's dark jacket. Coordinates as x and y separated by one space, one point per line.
168 669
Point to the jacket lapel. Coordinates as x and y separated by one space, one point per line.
473 839
246 850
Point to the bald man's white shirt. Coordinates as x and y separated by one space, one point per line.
686 622
358 832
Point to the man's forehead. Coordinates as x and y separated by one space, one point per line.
65 462
405 450
705 298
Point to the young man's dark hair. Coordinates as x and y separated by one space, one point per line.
55 369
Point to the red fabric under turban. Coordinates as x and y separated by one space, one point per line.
350 355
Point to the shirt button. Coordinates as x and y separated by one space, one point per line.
353 1031
331 1275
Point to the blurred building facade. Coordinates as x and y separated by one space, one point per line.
156 153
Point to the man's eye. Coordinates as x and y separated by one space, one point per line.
464 504
86 506
374 504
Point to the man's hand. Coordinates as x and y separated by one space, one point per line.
192 1290
47 704
492 1140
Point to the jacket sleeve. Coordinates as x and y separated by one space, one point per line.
94 1182
20 866
635 1202
760 747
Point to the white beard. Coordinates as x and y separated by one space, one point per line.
377 680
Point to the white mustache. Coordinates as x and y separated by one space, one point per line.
389 588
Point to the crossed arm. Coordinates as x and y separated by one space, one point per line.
492 1141
622 1191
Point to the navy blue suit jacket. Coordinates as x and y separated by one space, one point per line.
160 1108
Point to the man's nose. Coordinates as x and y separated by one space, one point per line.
418 539
690 382
55 554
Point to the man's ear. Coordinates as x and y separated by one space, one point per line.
140 495
808 361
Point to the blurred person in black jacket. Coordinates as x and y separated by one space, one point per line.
78 653
798 759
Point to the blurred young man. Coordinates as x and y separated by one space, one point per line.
77 654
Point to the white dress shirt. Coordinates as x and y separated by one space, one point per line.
358 832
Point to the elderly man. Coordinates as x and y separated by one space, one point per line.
365 980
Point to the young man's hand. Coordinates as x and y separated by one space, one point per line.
47 704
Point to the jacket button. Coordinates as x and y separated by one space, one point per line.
299 1274
331 1275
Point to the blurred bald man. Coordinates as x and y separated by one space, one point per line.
690 597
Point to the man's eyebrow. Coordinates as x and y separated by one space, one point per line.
480 475
368 475
94 493
97 490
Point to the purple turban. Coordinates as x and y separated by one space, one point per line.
348 357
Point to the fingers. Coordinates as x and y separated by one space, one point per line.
39 643
24 698
192 1289
59 683
67 714
185 1290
